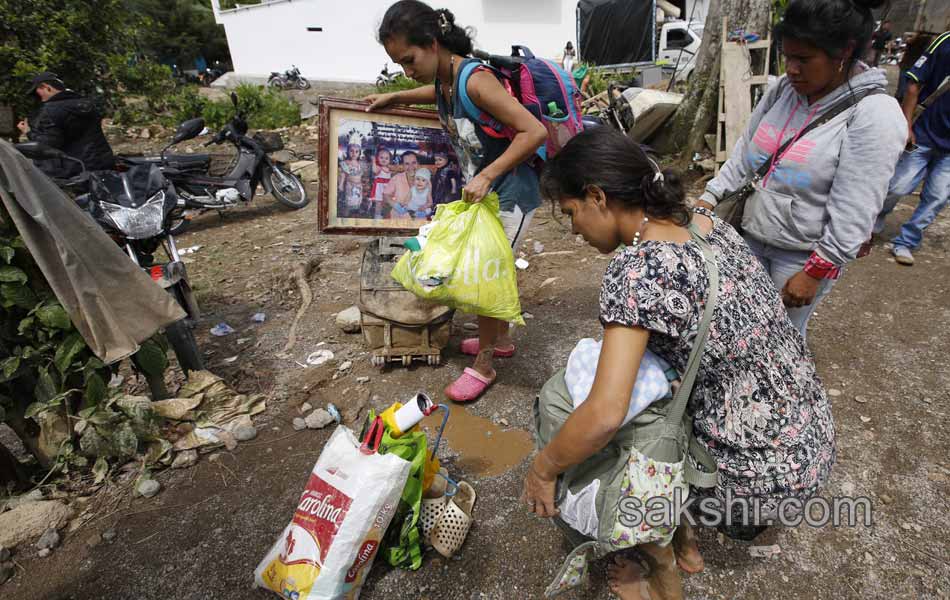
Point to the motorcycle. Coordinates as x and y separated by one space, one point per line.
137 210
201 192
386 78
288 80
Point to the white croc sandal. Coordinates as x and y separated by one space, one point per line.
432 510
449 533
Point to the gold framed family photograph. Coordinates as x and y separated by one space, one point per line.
383 172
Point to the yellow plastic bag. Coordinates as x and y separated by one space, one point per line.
466 262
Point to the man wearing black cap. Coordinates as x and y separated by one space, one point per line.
69 122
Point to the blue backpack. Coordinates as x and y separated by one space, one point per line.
544 88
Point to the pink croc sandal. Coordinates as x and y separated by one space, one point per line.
469 386
471 346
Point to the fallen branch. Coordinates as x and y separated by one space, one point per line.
301 272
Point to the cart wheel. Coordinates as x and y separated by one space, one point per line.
429 360
406 360
378 361
437 359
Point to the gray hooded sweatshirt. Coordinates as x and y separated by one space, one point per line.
830 185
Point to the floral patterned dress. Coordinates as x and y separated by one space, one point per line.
758 404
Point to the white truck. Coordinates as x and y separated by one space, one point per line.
678 45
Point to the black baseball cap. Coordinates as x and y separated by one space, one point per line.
45 77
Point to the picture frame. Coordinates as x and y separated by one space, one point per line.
384 172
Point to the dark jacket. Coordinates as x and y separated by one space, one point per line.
71 123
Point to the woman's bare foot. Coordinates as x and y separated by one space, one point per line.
626 580
687 552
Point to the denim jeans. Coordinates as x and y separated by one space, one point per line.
781 265
912 168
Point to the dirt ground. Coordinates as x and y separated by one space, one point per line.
881 341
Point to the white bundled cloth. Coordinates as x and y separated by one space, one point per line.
580 510
328 548
652 383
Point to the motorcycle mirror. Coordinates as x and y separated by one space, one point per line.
39 151
234 99
188 130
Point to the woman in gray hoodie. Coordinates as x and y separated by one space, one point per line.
815 207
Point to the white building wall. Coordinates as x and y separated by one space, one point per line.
272 36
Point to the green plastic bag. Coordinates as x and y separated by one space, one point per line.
401 545
466 263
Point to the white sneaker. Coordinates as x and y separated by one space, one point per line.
902 255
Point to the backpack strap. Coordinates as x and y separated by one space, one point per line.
489 124
708 476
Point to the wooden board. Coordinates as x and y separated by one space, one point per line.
736 81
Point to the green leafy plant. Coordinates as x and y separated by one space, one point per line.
263 108
53 390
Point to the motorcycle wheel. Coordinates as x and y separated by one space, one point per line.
274 83
303 84
182 340
181 337
380 83
288 189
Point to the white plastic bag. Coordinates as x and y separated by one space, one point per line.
328 548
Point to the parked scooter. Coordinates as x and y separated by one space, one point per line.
201 191
385 77
137 209
288 80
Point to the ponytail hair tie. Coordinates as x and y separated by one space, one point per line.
657 172
445 26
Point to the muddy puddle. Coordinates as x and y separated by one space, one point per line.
484 448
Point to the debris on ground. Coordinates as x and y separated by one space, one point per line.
319 357
185 459
349 320
538 247
765 551
345 365
211 412
300 275
522 264
221 330
259 317
299 424
305 408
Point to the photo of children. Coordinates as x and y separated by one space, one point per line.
393 172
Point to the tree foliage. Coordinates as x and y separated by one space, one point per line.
103 47
179 31
73 38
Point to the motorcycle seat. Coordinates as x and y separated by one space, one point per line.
182 162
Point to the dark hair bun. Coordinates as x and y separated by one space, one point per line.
869 4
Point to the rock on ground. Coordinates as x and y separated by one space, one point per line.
29 521
318 419
299 424
349 320
6 571
185 459
245 433
49 539
148 487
